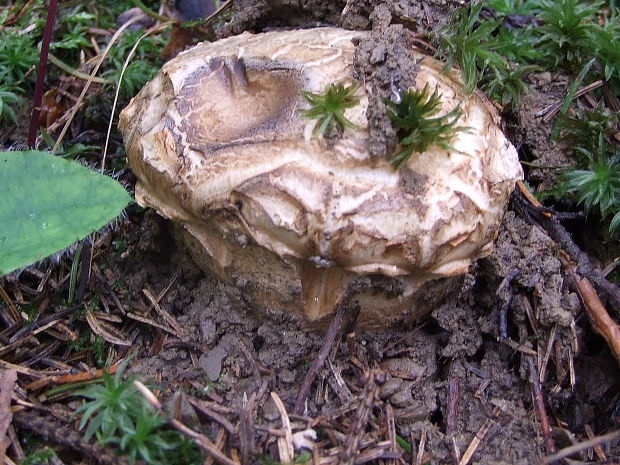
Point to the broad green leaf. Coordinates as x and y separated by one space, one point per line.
48 203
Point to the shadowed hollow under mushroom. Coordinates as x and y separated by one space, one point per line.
220 145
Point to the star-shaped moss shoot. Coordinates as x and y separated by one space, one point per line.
328 108
417 128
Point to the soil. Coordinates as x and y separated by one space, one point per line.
462 347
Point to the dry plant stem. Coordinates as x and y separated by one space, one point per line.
77 105
146 10
452 405
154 29
247 416
560 235
600 319
540 405
73 72
576 448
27 330
333 332
217 12
552 110
38 90
421 448
598 450
53 431
7 385
207 412
204 443
374 378
87 263
285 443
478 438
85 375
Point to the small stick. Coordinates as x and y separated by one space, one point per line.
285 444
85 375
576 448
203 442
207 412
373 379
504 294
540 405
8 378
26 330
477 440
553 109
168 318
391 424
330 339
43 55
421 447
14 314
545 361
54 431
561 236
598 450
600 319
220 440
452 403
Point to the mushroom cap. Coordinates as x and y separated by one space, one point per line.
219 144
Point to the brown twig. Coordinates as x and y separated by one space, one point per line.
85 375
598 450
373 379
203 442
421 448
7 385
540 405
285 443
553 109
452 404
600 319
58 433
201 407
247 415
576 448
333 333
43 55
478 438
26 330
560 235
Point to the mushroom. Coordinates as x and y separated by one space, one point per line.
220 145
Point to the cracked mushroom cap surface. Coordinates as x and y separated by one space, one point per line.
219 145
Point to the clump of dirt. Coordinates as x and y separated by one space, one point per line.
385 61
534 136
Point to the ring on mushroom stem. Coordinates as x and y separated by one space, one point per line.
220 146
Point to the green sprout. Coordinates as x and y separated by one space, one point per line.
111 402
8 99
417 128
117 413
328 108
569 31
471 43
596 187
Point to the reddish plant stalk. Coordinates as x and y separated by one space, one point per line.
38 90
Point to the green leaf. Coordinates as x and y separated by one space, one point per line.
48 203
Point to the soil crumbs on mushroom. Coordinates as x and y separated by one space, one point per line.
460 377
